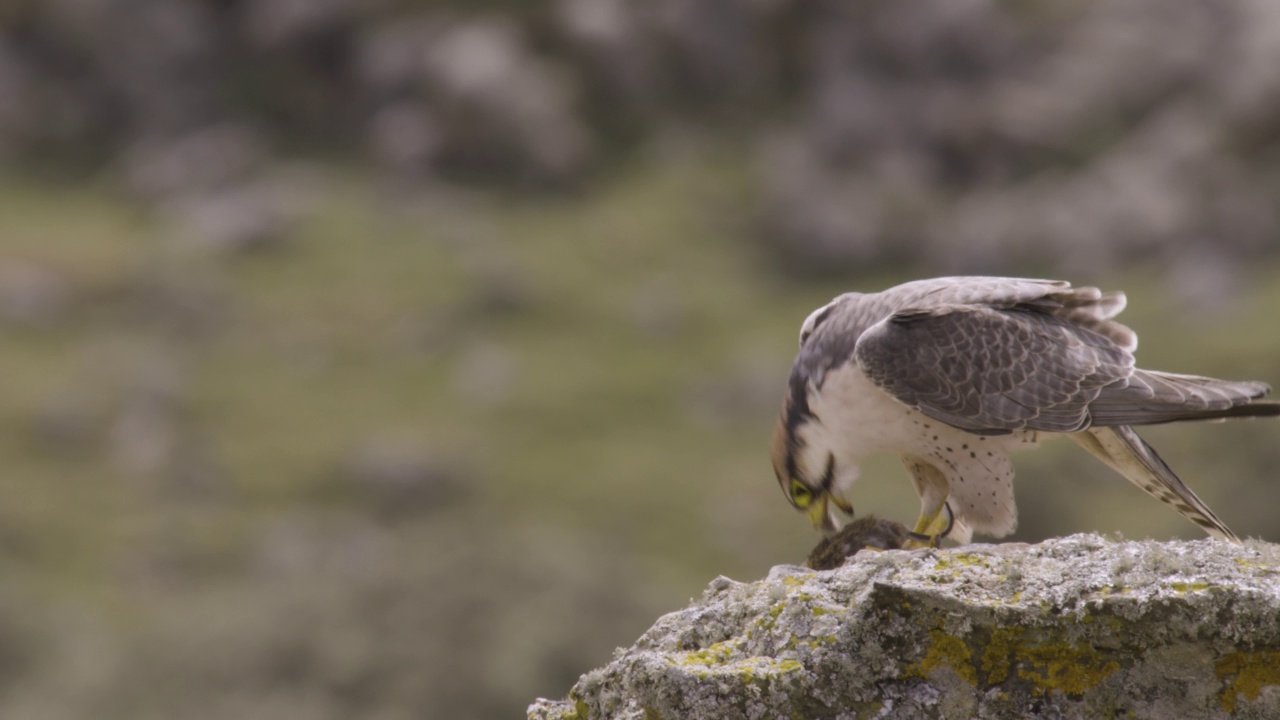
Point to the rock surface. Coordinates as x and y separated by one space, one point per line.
1078 627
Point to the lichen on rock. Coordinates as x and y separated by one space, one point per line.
1078 627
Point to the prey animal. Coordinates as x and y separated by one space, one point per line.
954 374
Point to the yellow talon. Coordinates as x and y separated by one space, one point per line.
931 528
923 541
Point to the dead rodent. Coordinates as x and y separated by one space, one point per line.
865 532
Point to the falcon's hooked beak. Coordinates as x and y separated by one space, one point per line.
823 515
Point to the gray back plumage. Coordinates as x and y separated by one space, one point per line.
993 355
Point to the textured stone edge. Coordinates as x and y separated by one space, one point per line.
1079 624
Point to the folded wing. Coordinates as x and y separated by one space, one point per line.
992 370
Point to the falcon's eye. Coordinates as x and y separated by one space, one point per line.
801 495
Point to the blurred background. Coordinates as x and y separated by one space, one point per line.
399 359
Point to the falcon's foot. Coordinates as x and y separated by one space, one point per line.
931 528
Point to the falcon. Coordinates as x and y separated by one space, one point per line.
954 374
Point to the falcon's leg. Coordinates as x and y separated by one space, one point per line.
935 519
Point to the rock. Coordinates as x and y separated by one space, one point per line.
256 215
1077 627
273 24
970 136
720 50
32 295
400 477
16 98
404 138
142 67
823 221
387 56
612 47
230 222
208 159
502 109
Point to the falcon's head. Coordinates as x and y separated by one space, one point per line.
804 460
804 452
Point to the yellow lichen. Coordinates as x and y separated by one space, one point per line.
580 709
970 559
715 661
1183 587
1070 668
946 651
1245 673
716 654
947 560
996 656
1100 593
751 670
787 665
813 643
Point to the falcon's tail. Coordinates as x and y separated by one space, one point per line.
1126 453
1150 397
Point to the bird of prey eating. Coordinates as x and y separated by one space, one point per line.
953 374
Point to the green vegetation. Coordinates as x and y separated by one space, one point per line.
605 368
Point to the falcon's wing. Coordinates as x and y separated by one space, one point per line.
993 370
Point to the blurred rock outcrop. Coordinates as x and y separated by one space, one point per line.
501 108
972 136
957 136
1078 627
32 295
400 478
